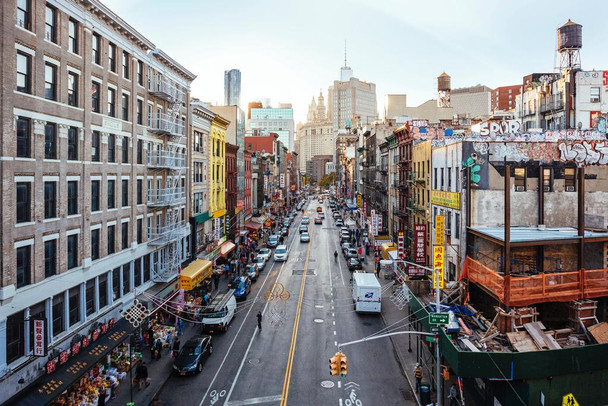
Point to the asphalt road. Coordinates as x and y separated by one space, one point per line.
287 362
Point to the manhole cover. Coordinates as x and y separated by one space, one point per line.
327 384
254 361
319 321
319 306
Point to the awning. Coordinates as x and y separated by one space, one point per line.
253 226
195 273
227 247
201 218
45 389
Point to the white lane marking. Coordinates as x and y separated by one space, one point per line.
339 264
255 331
335 321
340 401
239 330
333 314
336 343
334 333
255 401
339 384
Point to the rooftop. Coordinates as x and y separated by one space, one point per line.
526 234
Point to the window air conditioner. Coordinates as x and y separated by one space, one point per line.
448 232
569 188
547 188
520 188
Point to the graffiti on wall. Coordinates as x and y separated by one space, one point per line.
523 151
587 152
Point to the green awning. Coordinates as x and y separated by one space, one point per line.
201 218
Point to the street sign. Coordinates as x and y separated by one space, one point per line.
430 339
569 400
438 318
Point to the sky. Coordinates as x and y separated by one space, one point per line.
289 50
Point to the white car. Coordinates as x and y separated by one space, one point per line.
304 237
265 252
305 220
281 253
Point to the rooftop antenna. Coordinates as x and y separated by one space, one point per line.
345 54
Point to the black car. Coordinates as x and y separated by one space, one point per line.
193 355
354 265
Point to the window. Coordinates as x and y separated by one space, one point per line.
435 178
23 194
24 133
94 244
125 150
594 95
140 73
58 314
126 278
50 200
111 194
50 82
95 48
125 65
72 144
73 36
140 107
140 231
520 179
72 197
449 170
95 146
24 74
72 89
457 225
23 265
90 297
50 24
15 341
23 14
116 283
570 179
125 107
95 103
147 268
137 272
50 258
547 174
125 235
94 195
140 194
112 57
111 102
103 291
111 239
72 251
74 305
111 148
125 193
140 152
50 141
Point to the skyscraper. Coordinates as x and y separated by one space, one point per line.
351 98
277 120
232 87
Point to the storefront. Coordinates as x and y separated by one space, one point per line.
227 248
253 228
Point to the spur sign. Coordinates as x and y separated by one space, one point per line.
499 127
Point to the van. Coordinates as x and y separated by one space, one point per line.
219 313
366 293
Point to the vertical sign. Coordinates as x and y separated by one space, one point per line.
358 199
420 244
364 208
39 338
439 229
374 222
379 222
400 245
265 183
282 180
216 228
438 257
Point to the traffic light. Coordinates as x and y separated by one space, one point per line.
333 364
343 365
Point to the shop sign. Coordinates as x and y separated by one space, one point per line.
438 261
282 180
420 244
439 229
358 199
400 245
265 183
39 338
446 199
415 271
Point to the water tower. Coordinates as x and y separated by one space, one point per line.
444 88
569 44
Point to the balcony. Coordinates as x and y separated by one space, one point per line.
551 103
166 160
411 178
165 234
400 213
516 290
166 197
165 89
165 124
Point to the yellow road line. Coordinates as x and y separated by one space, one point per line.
294 333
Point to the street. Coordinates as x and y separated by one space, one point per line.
287 362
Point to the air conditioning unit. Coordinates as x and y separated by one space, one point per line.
448 232
547 188
520 188
569 188
428 204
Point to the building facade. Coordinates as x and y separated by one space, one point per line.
232 87
473 101
217 175
232 225
351 98
276 120
504 97
248 193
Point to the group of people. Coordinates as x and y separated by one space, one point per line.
452 395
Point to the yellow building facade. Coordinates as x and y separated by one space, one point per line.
420 179
217 170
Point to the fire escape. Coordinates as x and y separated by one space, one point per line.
170 163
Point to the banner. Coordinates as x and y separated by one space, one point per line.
439 229
420 244
265 183
39 338
446 199
438 257
400 245
358 199
374 222
282 180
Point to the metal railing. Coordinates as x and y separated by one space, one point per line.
166 89
165 234
166 197
166 159
166 124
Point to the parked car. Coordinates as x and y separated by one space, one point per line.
281 253
321 215
286 223
319 209
304 237
305 220
193 355
351 253
318 220
252 272
260 262
265 252
336 214
339 222
345 246
354 264
284 232
303 229
273 241
344 237
241 286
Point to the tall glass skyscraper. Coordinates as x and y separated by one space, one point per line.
276 120
232 87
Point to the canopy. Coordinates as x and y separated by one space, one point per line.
253 226
195 273
227 247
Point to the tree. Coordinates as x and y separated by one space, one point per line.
328 179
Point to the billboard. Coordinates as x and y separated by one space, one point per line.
439 229
420 244
438 261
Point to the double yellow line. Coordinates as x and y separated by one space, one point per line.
294 333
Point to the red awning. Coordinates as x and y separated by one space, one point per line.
253 226
226 248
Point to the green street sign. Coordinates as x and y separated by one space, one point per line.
438 318
430 339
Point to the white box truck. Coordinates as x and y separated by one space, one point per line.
366 292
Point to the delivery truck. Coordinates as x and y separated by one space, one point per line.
366 292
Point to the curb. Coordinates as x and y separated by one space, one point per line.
160 388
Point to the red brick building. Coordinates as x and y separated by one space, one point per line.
503 98
231 190
247 184
262 143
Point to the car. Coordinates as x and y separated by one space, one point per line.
354 265
305 220
192 356
318 220
286 223
218 314
303 229
351 253
241 286
284 231
321 215
304 237
260 262
273 241
265 253
319 209
345 229
281 253
252 271
345 246
344 238
336 214
339 222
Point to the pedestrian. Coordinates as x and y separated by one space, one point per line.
227 270
216 281
418 376
180 326
175 348
158 346
453 396
141 376
259 320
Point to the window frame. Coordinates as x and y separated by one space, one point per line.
140 107
73 89
25 268
520 175
26 205
124 235
73 143
125 150
95 241
140 73
50 87
50 28
58 310
125 107
72 257
95 195
74 304
570 179
95 97
50 200
72 206
594 94
95 49
73 36
95 146
111 194
111 102
50 262
112 57
111 239
111 148
124 191
140 193
89 297
27 20
125 65
27 75
50 141
24 137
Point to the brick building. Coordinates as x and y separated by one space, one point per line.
231 176
503 98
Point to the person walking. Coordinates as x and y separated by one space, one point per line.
216 281
418 376
453 396
141 376
175 348
259 316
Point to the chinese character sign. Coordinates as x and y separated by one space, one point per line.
39 338
420 244
439 229
282 180
400 248
438 258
